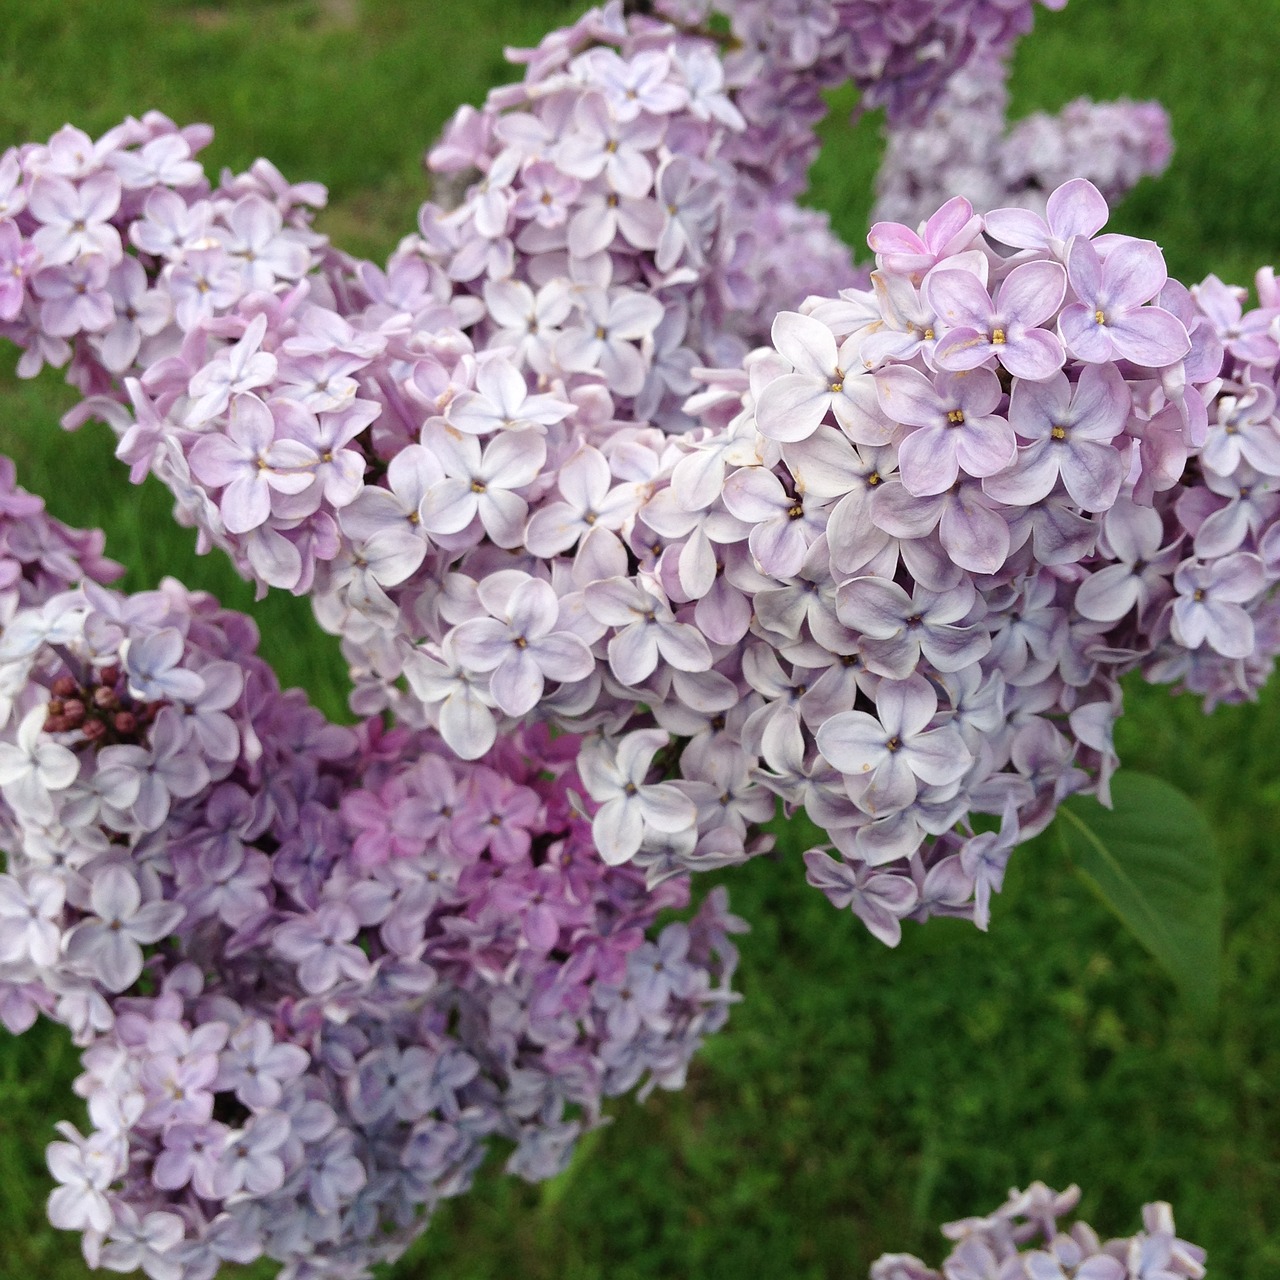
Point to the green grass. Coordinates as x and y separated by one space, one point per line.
859 1096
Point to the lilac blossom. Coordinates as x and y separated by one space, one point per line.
250 464
1069 433
630 807
501 401
1209 608
647 629
823 379
886 757
326 1026
1007 328
923 623
591 500
496 339
240 368
1139 576
783 525
612 323
879 901
1024 1237
1110 321
482 485
956 426
32 768
522 647
108 942
75 297
75 221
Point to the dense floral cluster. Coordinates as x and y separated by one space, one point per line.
314 970
950 513
627 560
1022 1240
897 576
40 556
967 147
900 54
893 577
629 224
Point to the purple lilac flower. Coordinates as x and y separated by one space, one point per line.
327 1025
956 426
1023 1237
1007 328
1110 321
1069 433
522 647
662 591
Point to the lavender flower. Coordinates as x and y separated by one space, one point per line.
1022 1238
309 907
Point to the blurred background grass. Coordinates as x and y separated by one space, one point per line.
859 1096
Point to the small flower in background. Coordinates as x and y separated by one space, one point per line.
1021 1240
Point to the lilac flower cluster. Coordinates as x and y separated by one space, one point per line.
859 594
111 251
314 970
884 559
632 220
632 214
41 556
268 375
897 576
900 54
1217 627
1022 1240
894 576
966 146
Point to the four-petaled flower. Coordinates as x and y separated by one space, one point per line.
884 757
109 943
522 645
629 805
1110 321
1006 328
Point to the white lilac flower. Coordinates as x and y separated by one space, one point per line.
482 485
629 805
34 767
85 1168
822 379
32 912
522 646
108 944
238 368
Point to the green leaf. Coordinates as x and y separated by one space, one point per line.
1152 860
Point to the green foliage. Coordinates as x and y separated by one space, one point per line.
1151 859
859 1095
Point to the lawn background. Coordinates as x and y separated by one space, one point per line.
859 1096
